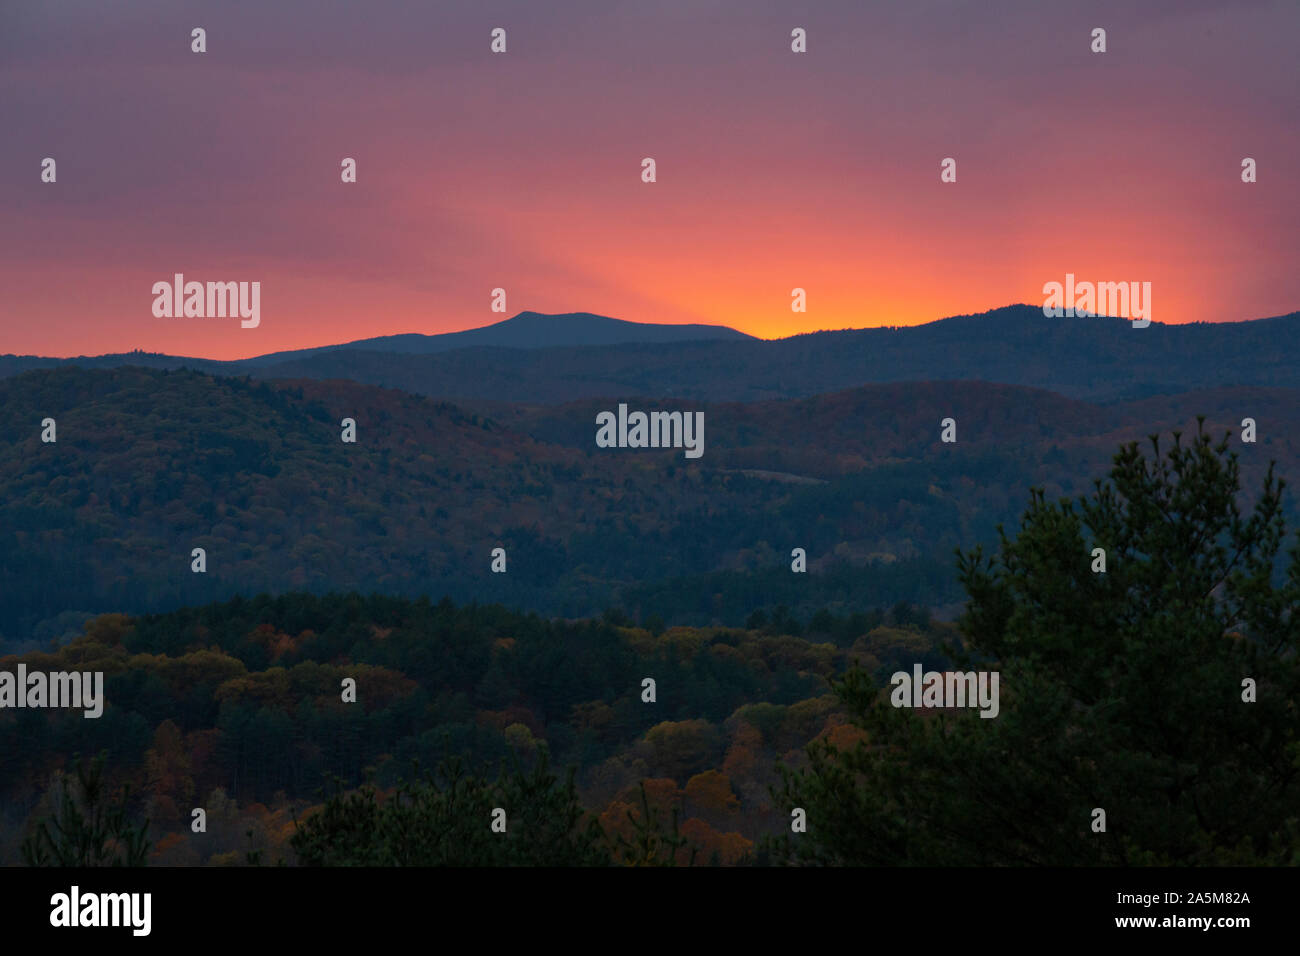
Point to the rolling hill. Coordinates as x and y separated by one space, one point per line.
151 464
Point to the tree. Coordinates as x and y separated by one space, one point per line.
1121 691
443 819
684 747
87 827
710 792
168 765
647 843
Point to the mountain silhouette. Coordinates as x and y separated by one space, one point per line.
534 358
1094 358
527 330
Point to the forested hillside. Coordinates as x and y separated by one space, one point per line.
1144 638
150 465
237 708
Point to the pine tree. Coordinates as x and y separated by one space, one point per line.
1122 691
443 819
650 844
87 827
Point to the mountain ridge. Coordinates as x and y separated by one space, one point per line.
1096 358
525 330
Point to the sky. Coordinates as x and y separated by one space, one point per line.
523 170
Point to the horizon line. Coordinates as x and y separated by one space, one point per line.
711 325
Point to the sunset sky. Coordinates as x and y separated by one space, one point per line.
523 170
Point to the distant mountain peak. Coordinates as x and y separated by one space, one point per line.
529 314
598 329
525 330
